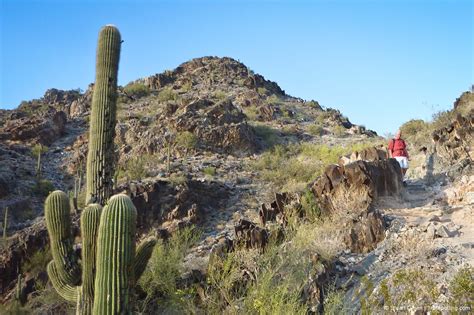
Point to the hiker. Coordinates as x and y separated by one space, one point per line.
397 149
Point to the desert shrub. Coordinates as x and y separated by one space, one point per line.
43 187
38 149
186 87
316 129
334 302
177 179
274 99
267 134
339 131
135 168
160 278
412 127
292 167
313 104
186 140
461 289
323 117
220 95
251 112
136 89
37 262
209 171
442 119
262 91
167 94
405 288
276 277
309 205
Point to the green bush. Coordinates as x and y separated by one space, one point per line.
269 135
262 91
292 167
43 187
167 94
209 171
220 95
160 278
186 140
38 149
316 129
136 89
339 131
461 289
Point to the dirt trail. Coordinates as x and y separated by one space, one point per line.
424 208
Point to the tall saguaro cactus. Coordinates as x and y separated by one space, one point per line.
100 158
103 282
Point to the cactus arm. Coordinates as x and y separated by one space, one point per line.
58 222
144 251
66 291
100 156
90 218
115 256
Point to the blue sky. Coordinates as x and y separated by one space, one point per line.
380 62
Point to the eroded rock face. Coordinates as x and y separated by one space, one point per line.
27 241
454 144
353 187
160 201
44 129
218 126
368 154
349 191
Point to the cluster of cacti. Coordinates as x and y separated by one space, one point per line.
103 283
110 264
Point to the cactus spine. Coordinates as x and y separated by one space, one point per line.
100 158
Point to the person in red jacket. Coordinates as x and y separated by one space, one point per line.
397 149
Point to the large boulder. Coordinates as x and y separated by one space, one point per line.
348 192
355 186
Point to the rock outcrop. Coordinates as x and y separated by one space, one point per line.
454 144
349 192
44 129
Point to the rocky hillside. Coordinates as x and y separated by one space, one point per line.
264 202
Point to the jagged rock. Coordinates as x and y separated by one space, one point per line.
36 129
365 232
442 231
276 210
160 201
454 144
250 235
350 191
18 248
368 154
354 187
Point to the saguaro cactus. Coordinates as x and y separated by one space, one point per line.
100 158
103 284
115 256
108 246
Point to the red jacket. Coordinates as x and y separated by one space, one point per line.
398 147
